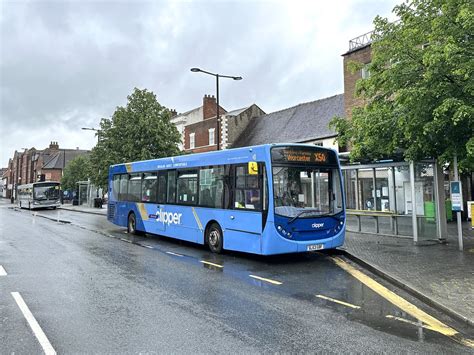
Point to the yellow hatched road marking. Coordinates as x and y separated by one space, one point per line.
398 301
212 264
266 280
409 322
337 301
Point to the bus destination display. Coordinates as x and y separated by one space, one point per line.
303 155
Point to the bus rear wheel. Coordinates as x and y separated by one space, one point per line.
215 238
132 224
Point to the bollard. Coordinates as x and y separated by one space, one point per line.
472 214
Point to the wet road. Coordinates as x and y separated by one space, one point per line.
92 291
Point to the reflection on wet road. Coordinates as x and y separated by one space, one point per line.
315 282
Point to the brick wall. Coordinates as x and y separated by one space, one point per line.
362 55
201 135
53 174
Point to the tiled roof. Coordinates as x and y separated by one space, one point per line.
59 159
301 123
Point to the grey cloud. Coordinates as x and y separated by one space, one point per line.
70 63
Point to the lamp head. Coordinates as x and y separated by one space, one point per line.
195 70
237 78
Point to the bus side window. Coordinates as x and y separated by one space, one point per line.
135 188
122 195
171 187
211 186
187 187
162 187
247 193
149 187
115 188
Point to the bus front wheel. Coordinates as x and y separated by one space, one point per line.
214 238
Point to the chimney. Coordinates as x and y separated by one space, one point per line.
209 106
173 113
54 145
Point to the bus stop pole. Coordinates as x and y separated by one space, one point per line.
458 213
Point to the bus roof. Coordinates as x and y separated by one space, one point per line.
227 156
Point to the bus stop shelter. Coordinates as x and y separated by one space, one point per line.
405 199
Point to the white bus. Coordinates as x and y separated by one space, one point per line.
39 195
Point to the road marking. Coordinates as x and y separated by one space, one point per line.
35 327
2 271
146 246
409 322
337 301
266 280
457 338
125 240
212 264
175 254
398 301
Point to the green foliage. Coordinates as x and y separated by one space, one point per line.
139 131
420 92
78 169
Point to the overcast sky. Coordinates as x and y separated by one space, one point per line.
64 65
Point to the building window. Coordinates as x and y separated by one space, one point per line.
191 141
211 136
365 73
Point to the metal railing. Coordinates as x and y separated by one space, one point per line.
361 41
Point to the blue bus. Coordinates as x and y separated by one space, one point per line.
267 199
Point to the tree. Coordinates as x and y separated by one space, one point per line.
141 130
420 92
78 169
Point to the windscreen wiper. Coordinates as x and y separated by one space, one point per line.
302 213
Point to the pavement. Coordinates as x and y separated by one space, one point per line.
85 209
437 273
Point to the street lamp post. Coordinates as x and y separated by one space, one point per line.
92 129
195 70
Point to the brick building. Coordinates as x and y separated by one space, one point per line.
359 52
32 164
206 112
202 136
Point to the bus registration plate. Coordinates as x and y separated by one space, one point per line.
313 247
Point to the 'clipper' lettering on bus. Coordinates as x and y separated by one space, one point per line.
168 217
